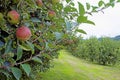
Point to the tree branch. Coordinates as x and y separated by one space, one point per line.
29 59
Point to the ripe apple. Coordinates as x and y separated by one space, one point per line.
39 3
13 17
51 14
55 1
23 33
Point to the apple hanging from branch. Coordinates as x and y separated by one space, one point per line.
39 3
23 33
51 14
13 17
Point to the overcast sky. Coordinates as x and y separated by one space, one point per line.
107 24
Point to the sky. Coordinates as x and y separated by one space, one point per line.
107 24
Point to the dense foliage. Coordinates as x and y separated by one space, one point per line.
104 51
32 31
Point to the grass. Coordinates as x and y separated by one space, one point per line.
68 67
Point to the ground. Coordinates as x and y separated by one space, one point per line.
68 67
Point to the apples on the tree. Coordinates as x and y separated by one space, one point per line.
39 3
13 17
51 14
23 33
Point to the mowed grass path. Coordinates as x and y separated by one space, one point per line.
68 67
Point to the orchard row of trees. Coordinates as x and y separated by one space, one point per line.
103 51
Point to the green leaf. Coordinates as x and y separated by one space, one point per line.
81 9
1 60
46 45
81 31
68 1
107 5
60 6
16 72
82 19
1 43
94 8
8 47
26 68
27 24
88 6
100 3
70 9
118 0
47 56
19 53
6 73
36 59
38 46
35 20
25 47
58 35
68 25
112 4
111 1
72 3
90 22
31 46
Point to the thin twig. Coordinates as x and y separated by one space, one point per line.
29 59
35 39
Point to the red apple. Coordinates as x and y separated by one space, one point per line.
23 33
39 3
13 17
51 14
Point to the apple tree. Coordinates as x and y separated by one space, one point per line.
32 31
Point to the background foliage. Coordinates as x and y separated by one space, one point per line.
103 51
